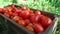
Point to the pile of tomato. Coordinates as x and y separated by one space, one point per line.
33 20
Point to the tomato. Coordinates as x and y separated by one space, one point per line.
30 24
38 28
23 8
25 14
12 5
22 22
16 18
18 10
34 18
9 9
4 9
29 28
27 21
37 12
6 14
1 10
28 9
31 11
46 21
14 14
42 13
10 13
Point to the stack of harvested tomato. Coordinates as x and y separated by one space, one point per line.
33 20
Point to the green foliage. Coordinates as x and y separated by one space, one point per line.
44 5
5 2
14 1
55 3
57 32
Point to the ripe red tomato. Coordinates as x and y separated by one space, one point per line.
29 28
9 9
23 8
14 14
25 14
37 12
12 5
10 13
27 21
31 11
22 22
38 28
30 24
16 18
1 10
46 21
6 14
34 18
5 10
18 11
28 9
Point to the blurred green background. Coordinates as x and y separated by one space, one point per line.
52 6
